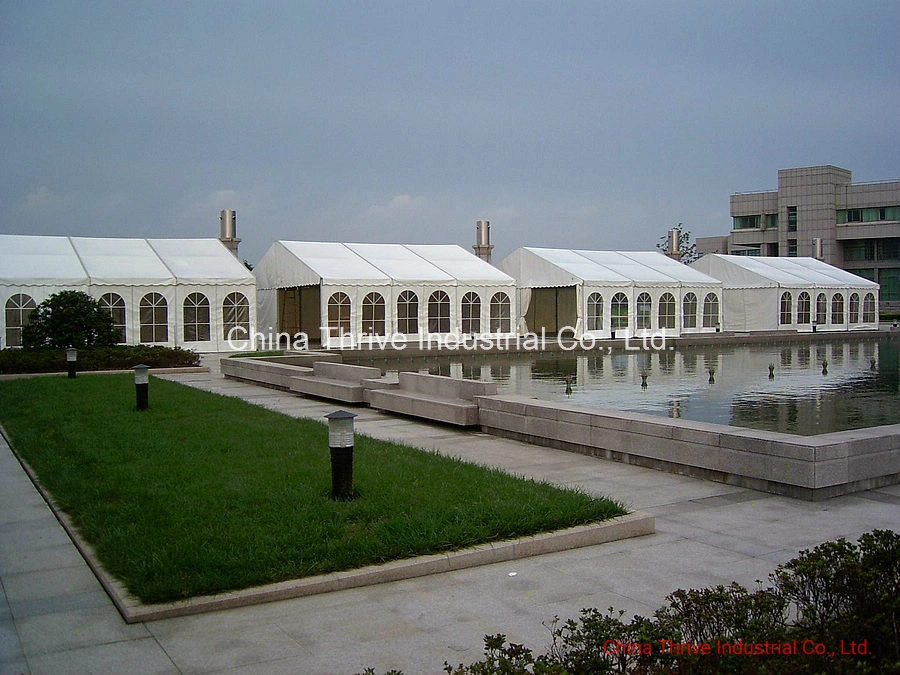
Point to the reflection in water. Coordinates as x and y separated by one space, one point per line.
799 399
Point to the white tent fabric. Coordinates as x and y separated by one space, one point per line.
768 293
606 274
387 270
180 271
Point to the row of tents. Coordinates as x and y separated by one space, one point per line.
194 293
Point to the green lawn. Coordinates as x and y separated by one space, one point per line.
204 493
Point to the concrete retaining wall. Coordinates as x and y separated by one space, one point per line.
805 467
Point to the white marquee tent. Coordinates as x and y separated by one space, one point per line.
611 293
796 294
174 292
368 293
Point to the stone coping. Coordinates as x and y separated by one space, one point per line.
634 524
153 371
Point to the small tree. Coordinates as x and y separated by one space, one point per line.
685 246
69 319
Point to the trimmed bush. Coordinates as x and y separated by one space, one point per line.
69 319
97 358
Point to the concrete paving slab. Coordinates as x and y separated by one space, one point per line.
135 657
63 631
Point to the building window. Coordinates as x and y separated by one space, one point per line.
196 318
792 218
771 221
471 313
837 308
792 248
439 312
644 307
115 305
18 315
890 284
373 314
408 313
235 314
500 313
869 308
803 308
154 312
746 222
786 317
821 309
689 311
666 311
854 215
339 314
711 310
854 308
618 310
594 312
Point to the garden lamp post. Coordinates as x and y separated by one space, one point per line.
142 385
340 442
71 361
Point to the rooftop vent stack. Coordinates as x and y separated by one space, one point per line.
674 247
483 245
228 230
817 249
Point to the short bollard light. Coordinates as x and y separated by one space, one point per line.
142 386
71 361
340 442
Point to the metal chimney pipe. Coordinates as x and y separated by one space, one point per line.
483 245
228 230
674 244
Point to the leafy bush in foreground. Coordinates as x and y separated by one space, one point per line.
832 609
120 357
69 319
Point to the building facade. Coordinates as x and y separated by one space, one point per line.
819 212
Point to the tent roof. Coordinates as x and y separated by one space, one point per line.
27 260
738 271
300 263
549 267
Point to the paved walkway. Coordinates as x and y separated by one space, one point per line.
54 616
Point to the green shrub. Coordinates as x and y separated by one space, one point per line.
69 319
120 357
840 597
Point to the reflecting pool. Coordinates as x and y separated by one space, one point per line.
858 386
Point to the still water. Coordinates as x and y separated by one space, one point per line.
859 387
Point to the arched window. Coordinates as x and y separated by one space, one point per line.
618 310
821 309
196 318
236 315
711 310
373 314
115 305
854 308
439 312
408 313
837 308
644 308
471 313
594 312
666 311
154 318
338 315
689 311
803 308
500 313
18 315
869 312
786 316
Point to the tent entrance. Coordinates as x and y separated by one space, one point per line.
298 311
552 309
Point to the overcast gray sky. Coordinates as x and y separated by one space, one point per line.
570 124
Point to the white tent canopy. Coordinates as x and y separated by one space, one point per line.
364 293
786 293
611 293
175 292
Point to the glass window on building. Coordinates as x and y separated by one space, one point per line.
408 313
869 312
711 311
689 311
785 317
373 314
196 318
236 316
854 308
644 307
803 308
339 314
154 318
666 311
500 313
890 284
115 305
619 311
439 312
792 248
772 221
18 315
792 218
837 308
595 312
471 313
746 222
821 309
